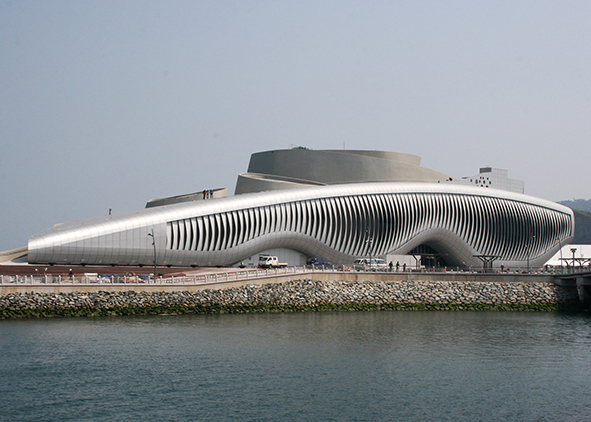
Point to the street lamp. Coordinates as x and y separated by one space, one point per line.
560 244
154 245
573 250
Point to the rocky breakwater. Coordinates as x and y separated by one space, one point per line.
300 295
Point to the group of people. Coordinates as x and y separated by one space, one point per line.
390 265
207 193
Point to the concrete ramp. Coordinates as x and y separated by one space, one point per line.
13 254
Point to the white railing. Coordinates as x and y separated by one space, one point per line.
221 277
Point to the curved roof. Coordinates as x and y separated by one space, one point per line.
299 167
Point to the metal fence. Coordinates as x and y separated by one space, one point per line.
94 278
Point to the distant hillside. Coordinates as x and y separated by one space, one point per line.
578 204
582 228
582 209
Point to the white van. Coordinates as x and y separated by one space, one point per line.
267 261
365 264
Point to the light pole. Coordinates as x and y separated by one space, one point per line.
560 244
573 250
154 245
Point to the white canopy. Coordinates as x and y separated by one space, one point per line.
582 255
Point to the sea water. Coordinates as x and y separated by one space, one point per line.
331 366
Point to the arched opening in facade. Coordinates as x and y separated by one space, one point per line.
429 257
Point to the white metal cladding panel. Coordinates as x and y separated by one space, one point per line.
240 232
345 231
169 237
215 235
500 226
223 239
292 210
214 227
338 230
345 245
255 223
286 208
341 229
370 224
514 226
360 226
472 222
204 231
457 215
312 220
195 234
387 219
489 243
251 224
302 217
330 222
354 209
307 207
497 226
271 213
395 224
482 229
376 224
232 221
336 226
267 221
175 238
522 230
313 223
323 222
407 215
181 231
188 234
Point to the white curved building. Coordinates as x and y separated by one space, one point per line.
464 225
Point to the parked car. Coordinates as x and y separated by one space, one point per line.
318 262
365 264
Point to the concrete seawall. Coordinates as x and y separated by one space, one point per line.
294 293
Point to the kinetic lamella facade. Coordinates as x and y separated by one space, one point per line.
338 222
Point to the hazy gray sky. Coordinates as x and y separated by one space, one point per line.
107 104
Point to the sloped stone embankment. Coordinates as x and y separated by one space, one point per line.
300 295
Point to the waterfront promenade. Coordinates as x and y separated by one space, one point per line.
221 278
284 290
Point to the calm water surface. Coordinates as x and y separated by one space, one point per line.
341 366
